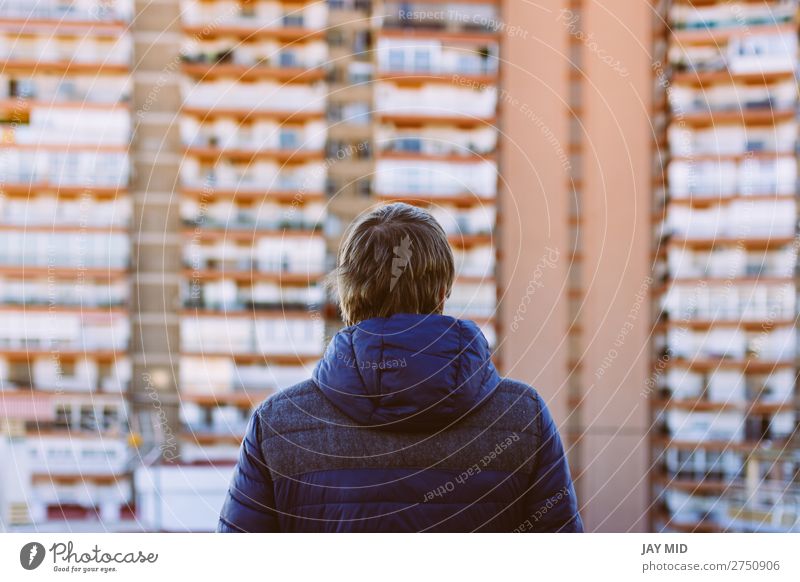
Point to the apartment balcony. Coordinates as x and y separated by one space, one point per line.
300 254
436 178
730 264
275 19
63 214
57 295
84 170
296 63
778 344
226 137
439 104
733 139
742 54
260 339
44 128
76 250
85 56
207 381
478 220
34 332
267 216
743 221
472 300
259 176
433 143
41 378
718 388
464 18
205 71
725 301
265 298
723 15
25 95
421 58
753 175
687 96
77 11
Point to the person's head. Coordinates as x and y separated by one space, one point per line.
394 259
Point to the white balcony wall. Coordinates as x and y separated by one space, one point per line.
58 456
212 375
205 375
261 52
116 50
731 139
259 175
475 262
778 387
70 331
730 14
739 219
730 343
728 263
33 291
430 56
728 386
79 168
48 249
274 294
732 97
479 219
182 498
262 14
727 178
51 125
91 10
762 53
684 384
436 100
287 336
738 301
48 375
228 133
89 89
705 426
443 178
468 300
44 210
263 95
438 140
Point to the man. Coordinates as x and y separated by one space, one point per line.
405 424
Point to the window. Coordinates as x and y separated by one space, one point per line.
397 59
288 59
422 60
288 139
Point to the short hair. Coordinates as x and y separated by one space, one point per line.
393 259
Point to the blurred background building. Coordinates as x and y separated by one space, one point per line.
618 181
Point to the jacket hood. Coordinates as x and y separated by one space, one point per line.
407 372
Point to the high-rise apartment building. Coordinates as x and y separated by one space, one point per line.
618 181
726 342
65 215
435 140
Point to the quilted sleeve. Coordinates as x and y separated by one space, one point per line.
551 503
250 503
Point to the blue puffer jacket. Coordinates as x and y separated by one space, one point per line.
405 426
